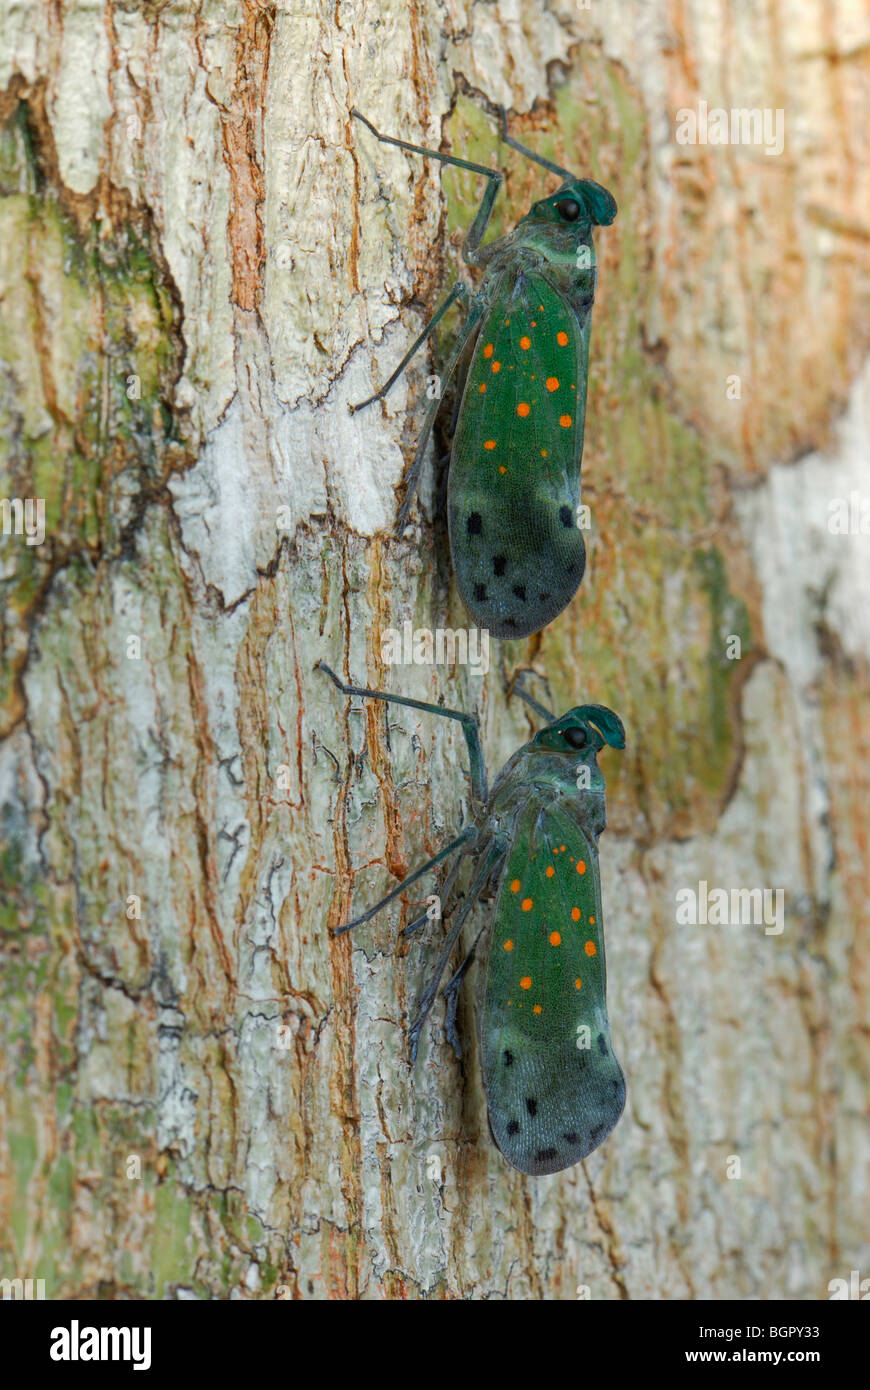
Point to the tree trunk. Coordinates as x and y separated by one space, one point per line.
203 260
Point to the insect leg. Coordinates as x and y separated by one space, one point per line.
515 687
530 154
470 726
443 894
430 993
451 995
417 465
459 289
475 233
467 834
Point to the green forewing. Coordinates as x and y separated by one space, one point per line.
554 1088
514 483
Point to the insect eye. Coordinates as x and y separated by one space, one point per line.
576 738
569 209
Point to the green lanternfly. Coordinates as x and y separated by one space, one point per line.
554 1088
513 488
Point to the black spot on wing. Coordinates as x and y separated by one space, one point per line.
508 1059
520 591
571 1137
566 516
602 1045
475 524
531 1105
513 1127
545 1155
480 593
499 564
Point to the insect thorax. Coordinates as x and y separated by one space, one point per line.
533 245
556 777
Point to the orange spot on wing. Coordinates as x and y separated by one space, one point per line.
581 867
509 945
555 939
592 920
543 453
575 914
550 871
562 339
496 366
501 468
590 948
489 444
526 982
552 383
525 343
523 409
565 421
515 886
488 350
526 904
536 1009
577 983
562 848
482 387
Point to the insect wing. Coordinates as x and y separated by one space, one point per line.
514 483
554 1088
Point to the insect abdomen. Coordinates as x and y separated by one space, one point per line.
563 1103
517 567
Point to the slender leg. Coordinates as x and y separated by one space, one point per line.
444 894
454 845
475 233
494 858
451 995
460 290
530 154
417 465
470 726
515 687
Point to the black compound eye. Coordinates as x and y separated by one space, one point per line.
575 738
569 209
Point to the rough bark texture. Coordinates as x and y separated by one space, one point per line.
186 201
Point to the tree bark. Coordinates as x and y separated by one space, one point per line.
203 260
